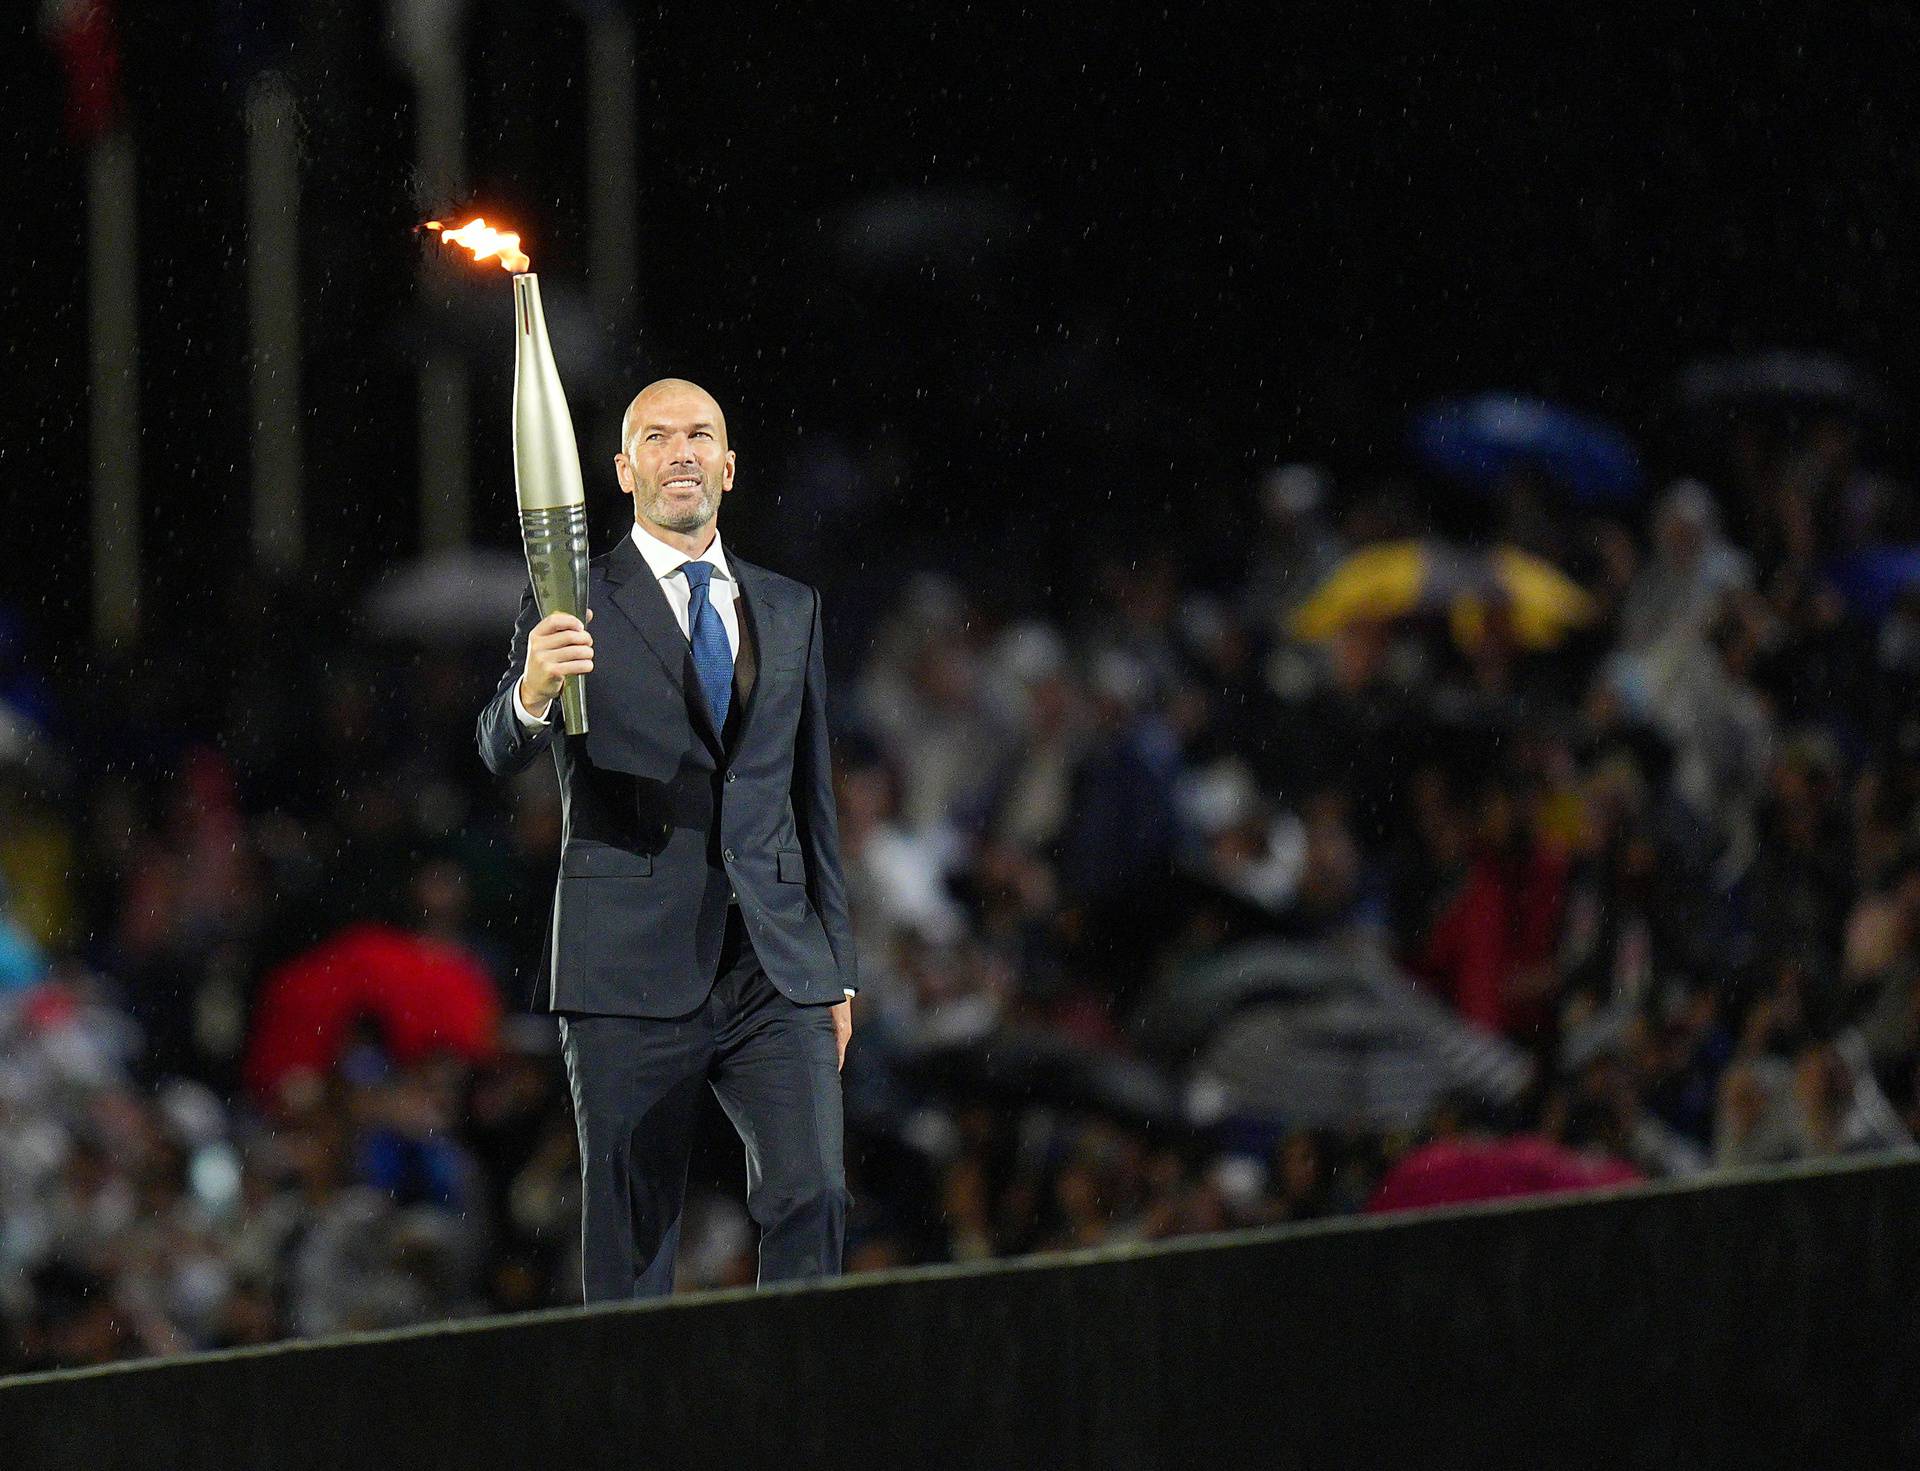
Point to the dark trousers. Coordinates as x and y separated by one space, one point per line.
636 1086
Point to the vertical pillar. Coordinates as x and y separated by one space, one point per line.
113 310
428 39
273 312
613 173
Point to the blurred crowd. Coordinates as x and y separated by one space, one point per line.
1172 918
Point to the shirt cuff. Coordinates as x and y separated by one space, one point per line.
527 717
848 991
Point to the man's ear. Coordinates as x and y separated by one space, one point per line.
623 472
727 484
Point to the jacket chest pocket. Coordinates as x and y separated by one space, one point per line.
595 860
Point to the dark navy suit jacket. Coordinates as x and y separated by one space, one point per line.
664 815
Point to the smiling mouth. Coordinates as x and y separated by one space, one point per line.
682 482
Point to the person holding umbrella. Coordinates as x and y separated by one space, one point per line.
699 933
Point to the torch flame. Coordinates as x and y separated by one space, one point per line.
485 242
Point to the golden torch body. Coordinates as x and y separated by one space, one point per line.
546 474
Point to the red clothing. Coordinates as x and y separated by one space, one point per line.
1504 918
1457 1171
426 995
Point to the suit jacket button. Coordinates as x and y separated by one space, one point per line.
731 775
728 855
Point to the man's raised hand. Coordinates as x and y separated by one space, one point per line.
558 646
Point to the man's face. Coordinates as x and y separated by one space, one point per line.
675 461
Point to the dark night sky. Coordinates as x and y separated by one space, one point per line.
1226 235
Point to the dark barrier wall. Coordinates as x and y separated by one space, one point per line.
1768 1322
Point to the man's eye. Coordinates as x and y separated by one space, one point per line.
653 436
701 434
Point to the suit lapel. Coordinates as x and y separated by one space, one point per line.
769 618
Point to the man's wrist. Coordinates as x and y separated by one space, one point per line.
537 717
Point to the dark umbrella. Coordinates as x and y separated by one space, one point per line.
1781 380
1314 1038
1020 1067
1320 1066
1475 442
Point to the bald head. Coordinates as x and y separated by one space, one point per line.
667 398
673 458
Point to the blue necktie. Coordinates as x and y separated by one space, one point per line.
712 658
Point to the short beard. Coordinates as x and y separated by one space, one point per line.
691 519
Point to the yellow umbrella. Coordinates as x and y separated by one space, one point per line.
1398 579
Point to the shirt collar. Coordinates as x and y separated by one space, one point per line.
666 561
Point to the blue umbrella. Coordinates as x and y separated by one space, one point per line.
1872 579
1477 440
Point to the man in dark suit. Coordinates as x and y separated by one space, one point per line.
699 933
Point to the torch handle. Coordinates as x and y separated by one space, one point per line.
556 541
573 703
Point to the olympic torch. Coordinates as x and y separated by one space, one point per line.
546 458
